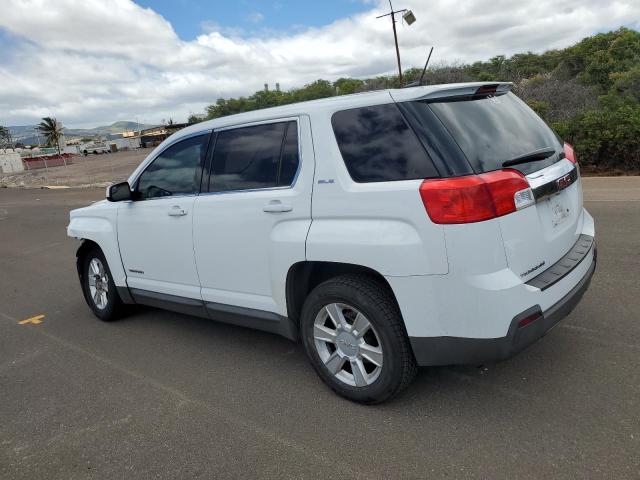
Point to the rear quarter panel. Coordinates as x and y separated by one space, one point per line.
383 226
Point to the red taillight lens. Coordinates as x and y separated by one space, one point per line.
569 154
529 320
475 198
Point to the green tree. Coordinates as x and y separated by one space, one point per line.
52 131
313 91
626 85
345 86
606 53
193 118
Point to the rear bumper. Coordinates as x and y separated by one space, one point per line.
460 350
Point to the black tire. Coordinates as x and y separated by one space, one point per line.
374 300
114 307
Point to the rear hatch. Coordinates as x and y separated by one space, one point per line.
495 130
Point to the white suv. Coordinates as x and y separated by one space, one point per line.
388 230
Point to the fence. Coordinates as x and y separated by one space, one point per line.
75 170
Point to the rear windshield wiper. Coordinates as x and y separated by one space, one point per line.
530 157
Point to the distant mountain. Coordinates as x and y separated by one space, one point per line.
28 134
119 127
105 130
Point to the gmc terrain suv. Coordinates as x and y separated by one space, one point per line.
387 230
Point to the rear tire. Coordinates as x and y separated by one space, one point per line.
354 336
99 290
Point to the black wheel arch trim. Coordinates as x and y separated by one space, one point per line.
84 247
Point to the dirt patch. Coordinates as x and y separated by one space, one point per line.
90 171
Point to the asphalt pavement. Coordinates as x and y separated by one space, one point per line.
163 395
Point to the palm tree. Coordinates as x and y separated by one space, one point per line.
52 131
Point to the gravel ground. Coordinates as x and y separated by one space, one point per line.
89 171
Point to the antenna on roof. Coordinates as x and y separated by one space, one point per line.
424 70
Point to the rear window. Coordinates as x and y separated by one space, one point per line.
492 130
377 145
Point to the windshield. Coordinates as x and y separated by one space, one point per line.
494 130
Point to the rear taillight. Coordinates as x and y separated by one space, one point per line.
569 154
475 198
529 319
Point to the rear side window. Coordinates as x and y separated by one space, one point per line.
377 145
289 162
261 156
492 130
176 171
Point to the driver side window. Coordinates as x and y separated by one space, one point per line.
176 171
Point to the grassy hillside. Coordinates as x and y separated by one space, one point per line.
589 93
118 127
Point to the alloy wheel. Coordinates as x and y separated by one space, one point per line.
98 283
348 344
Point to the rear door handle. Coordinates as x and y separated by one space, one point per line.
177 211
276 206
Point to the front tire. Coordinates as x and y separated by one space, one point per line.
98 287
355 338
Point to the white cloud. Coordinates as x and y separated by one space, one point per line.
98 61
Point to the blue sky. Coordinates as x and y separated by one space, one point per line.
190 18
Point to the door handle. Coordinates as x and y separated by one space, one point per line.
276 206
177 211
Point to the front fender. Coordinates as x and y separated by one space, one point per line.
97 223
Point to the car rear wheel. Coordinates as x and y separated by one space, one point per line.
98 287
355 338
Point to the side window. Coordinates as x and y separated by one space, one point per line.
377 145
255 157
176 170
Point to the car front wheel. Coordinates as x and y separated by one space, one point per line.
98 287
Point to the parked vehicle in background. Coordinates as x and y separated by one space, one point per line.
424 226
95 148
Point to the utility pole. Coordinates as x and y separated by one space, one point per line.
395 34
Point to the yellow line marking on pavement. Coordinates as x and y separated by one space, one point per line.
33 320
223 412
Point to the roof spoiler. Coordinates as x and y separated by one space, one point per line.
469 90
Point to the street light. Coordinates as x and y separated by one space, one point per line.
409 17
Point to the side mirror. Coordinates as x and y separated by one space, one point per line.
119 192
